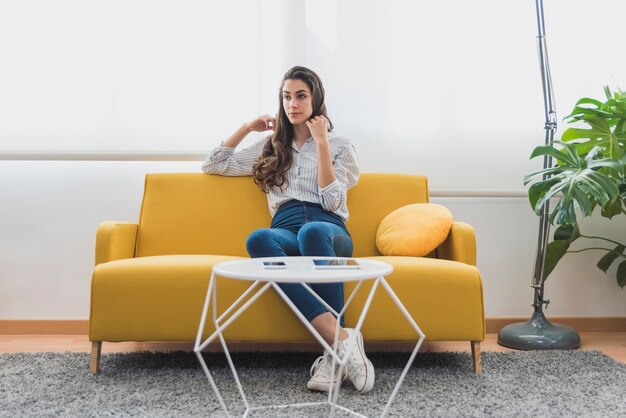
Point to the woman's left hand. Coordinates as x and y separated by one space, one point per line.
319 128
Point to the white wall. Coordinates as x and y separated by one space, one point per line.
445 87
50 211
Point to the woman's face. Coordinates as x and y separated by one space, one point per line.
297 101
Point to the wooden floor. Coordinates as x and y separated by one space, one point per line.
613 344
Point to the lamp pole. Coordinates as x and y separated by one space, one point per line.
538 333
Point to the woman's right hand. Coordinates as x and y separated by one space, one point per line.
261 124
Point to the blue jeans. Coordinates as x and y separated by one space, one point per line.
303 228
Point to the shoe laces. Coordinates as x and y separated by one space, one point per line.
319 362
322 365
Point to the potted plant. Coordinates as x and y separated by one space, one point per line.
589 176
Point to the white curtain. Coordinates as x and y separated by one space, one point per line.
126 75
446 88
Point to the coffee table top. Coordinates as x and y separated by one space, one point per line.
300 269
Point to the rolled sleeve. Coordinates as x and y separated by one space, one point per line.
225 161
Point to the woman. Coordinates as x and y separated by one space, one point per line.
306 172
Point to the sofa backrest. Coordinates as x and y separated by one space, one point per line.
195 213
373 198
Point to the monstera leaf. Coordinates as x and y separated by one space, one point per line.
577 181
607 125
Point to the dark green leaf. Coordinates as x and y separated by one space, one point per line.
544 172
612 163
606 261
553 152
583 201
612 209
622 190
566 213
609 184
584 183
554 190
621 274
569 233
571 151
590 186
539 189
554 252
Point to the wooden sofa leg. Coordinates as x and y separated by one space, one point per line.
476 356
94 361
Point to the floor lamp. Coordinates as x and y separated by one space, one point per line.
538 333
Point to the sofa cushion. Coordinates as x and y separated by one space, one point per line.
445 298
413 230
160 298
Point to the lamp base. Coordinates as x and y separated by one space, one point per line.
538 334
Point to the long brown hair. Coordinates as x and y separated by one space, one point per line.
271 168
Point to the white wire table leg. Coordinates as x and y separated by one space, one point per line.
212 292
234 371
204 311
212 382
235 303
216 321
417 329
331 387
331 395
358 326
235 315
198 351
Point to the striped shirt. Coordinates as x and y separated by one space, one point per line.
301 176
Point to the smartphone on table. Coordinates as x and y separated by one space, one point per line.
348 263
276 265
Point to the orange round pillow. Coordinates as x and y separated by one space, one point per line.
413 230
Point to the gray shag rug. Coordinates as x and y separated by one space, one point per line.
540 383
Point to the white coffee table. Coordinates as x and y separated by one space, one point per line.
298 270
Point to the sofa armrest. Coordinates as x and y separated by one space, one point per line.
460 244
115 241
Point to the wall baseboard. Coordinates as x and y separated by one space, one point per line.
44 326
81 326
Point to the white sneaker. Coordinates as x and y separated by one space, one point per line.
360 369
320 374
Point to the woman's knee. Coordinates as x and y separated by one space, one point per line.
258 241
314 232
317 239
271 242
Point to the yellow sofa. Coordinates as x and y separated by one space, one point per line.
151 278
